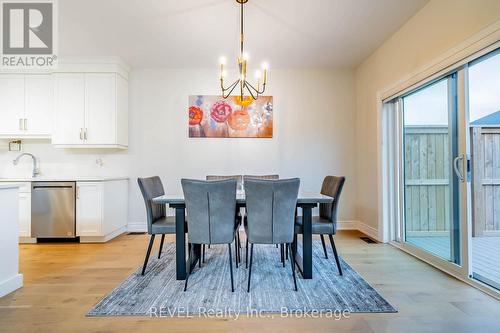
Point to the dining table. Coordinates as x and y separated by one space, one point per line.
306 201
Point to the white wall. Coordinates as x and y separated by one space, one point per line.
314 119
438 27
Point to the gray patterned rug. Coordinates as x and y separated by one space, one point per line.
209 289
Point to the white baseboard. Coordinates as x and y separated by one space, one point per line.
369 231
103 239
347 225
137 227
11 284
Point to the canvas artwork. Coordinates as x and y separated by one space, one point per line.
216 117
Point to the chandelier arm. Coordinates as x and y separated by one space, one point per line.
251 93
257 91
234 85
230 86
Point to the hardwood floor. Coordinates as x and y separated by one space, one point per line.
63 281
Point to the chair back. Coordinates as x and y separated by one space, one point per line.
270 206
150 188
211 208
268 177
238 178
332 186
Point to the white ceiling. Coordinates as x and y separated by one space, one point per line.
195 33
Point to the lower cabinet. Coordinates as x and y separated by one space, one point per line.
101 210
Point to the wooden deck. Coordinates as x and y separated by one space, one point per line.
485 255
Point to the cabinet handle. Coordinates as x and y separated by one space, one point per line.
25 124
81 133
21 124
85 134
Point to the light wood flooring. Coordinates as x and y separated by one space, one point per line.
63 281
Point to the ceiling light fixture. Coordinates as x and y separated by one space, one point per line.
242 67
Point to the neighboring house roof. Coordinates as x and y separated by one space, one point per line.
489 120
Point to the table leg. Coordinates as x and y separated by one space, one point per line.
180 243
304 262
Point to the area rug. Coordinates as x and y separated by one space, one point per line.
158 293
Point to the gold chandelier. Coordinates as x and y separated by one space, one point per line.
242 67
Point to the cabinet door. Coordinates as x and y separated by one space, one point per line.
39 116
24 214
11 104
100 108
89 209
69 109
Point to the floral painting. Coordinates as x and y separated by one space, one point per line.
216 117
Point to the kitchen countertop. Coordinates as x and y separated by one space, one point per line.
62 179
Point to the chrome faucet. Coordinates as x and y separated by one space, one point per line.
36 172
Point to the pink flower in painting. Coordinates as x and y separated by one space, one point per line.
220 111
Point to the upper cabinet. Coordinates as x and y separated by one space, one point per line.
81 104
26 104
90 110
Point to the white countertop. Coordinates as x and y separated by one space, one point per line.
62 179
9 186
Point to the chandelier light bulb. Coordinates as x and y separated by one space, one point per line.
245 56
265 66
222 60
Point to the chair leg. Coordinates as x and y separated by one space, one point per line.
161 245
286 254
188 270
324 246
203 253
238 250
235 251
246 255
200 257
231 266
282 254
335 254
151 241
292 263
250 269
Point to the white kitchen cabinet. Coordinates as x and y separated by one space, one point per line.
11 105
25 215
69 120
101 210
39 105
88 111
26 104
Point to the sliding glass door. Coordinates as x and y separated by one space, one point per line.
484 131
430 151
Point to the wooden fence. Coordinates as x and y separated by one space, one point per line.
427 172
486 180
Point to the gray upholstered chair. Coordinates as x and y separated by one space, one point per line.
267 177
270 207
158 222
238 178
211 207
239 216
326 222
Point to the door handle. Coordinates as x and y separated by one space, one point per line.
457 169
85 134
81 133
21 124
25 124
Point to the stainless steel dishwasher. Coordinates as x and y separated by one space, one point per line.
53 210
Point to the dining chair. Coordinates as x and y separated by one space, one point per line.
270 208
267 177
158 222
239 216
326 222
211 207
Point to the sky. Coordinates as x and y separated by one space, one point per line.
429 106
